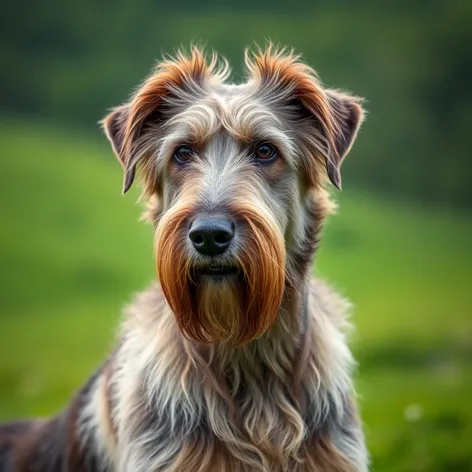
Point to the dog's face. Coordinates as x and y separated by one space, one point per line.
233 171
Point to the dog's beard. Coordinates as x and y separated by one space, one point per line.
218 306
235 308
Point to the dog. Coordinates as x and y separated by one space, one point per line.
236 360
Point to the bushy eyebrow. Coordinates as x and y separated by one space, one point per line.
277 138
244 120
184 135
199 120
249 121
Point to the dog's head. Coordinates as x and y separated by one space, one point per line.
235 174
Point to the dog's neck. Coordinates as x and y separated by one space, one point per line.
279 346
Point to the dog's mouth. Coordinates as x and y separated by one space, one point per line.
217 271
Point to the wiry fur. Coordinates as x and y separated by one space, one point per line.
245 374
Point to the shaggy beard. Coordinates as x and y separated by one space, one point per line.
231 309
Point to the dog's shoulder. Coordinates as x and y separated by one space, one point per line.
55 444
32 446
10 435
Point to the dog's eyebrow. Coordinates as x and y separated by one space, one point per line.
170 141
278 138
182 134
200 118
249 121
245 121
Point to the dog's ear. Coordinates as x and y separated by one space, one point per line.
347 116
335 118
114 125
174 84
329 119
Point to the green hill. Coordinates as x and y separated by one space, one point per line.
72 252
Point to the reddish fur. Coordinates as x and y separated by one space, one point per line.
262 261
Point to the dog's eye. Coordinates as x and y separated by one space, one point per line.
265 152
183 153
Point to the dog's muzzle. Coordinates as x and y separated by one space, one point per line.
222 274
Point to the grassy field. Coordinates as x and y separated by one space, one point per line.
72 253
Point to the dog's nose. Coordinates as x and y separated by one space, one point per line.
211 236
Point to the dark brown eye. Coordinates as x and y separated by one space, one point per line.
265 151
183 153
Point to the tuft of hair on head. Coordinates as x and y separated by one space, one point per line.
336 116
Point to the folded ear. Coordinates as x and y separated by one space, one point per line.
347 116
174 83
114 125
328 120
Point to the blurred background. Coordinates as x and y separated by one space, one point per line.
72 251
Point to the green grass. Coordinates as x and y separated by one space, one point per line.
72 253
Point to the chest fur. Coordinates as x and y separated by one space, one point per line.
257 427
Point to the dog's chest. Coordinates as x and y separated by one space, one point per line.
261 429
257 428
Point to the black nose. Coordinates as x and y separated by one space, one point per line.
211 236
